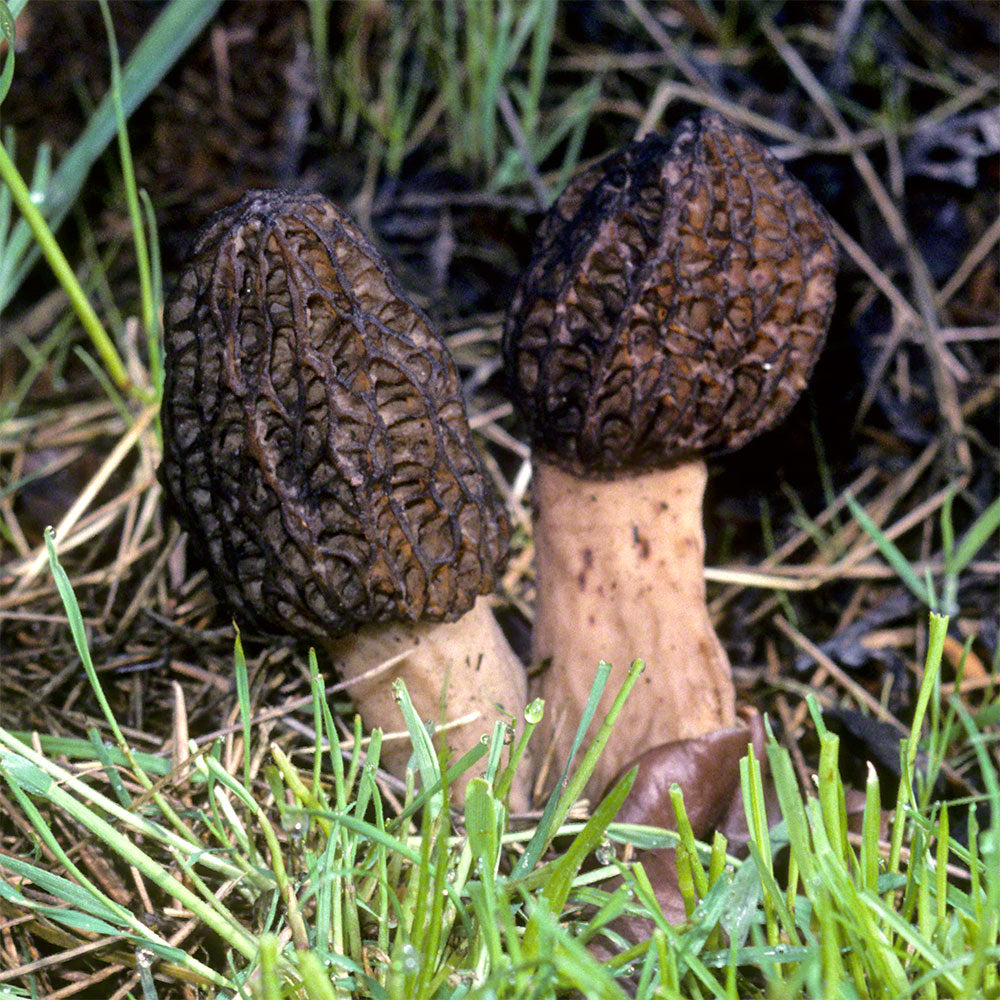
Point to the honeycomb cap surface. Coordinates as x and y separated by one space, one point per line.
316 445
676 301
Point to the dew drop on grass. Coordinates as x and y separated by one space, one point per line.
605 852
294 825
409 959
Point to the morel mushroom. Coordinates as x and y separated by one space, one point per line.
317 451
676 301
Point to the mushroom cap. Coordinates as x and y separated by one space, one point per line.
316 446
676 301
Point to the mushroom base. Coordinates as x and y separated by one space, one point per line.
619 570
452 669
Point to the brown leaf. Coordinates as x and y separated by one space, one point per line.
707 769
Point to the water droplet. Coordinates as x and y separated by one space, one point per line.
409 959
605 852
294 826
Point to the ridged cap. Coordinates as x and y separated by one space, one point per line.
316 445
676 301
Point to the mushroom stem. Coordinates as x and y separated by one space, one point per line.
619 572
452 669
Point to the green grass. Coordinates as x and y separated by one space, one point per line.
177 26
44 203
955 558
480 69
303 883
313 890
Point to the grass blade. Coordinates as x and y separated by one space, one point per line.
174 30
891 553
7 30
976 537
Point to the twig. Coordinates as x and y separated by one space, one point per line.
30 571
656 32
923 286
542 194
983 246
860 695
799 538
932 42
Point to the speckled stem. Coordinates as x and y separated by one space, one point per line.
619 569
467 665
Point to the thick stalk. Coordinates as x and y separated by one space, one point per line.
452 669
619 570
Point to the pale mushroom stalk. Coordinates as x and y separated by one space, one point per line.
619 570
674 306
317 450
451 670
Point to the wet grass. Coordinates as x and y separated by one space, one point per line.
267 855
